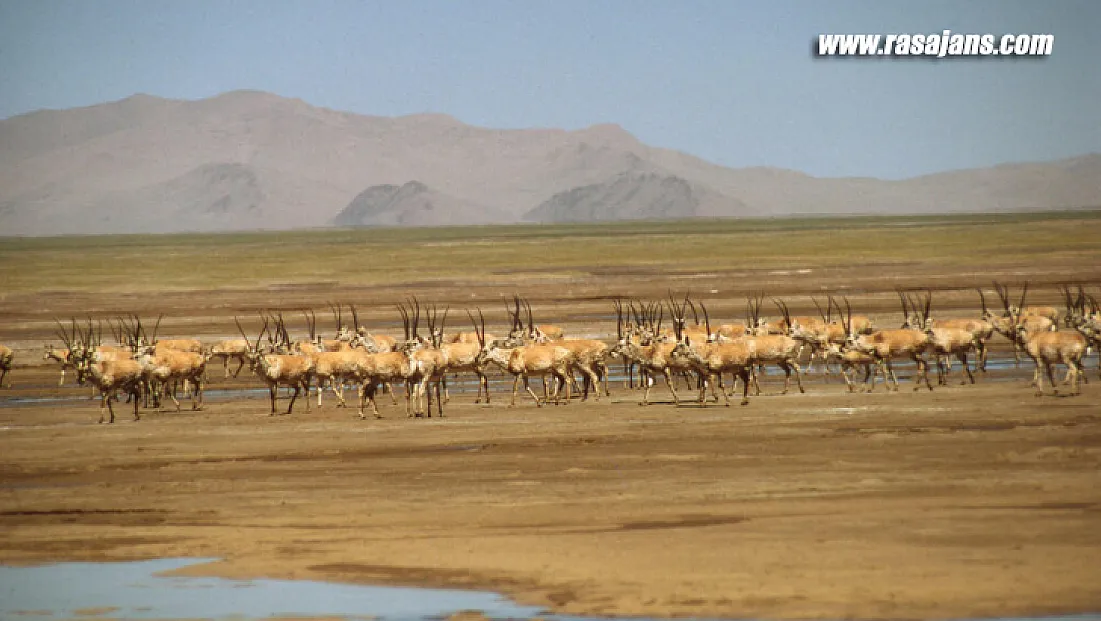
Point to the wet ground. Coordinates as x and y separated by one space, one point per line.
972 501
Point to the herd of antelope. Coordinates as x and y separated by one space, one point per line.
699 354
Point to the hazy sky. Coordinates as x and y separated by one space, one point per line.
733 82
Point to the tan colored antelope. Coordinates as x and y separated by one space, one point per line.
165 367
819 333
64 357
886 345
542 333
277 370
945 339
334 369
109 377
1047 348
980 330
68 356
194 346
461 356
379 369
713 360
376 343
231 349
588 355
526 361
6 357
1014 317
652 357
428 360
852 359
779 349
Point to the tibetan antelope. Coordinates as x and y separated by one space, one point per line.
523 361
886 345
374 343
712 360
1047 348
1014 317
230 349
852 359
653 355
543 333
164 367
429 360
376 370
980 329
64 357
6 356
108 376
588 355
277 370
819 334
68 356
461 356
194 346
766 348
945 339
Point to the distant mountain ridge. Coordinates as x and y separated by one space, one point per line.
249 160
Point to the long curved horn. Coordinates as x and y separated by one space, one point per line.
404 320
618 306
821 314
848 315
905 310
156 327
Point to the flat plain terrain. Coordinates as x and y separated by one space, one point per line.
968 501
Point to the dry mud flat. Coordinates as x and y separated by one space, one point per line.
965 502
974 501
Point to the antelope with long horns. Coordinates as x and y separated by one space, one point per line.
1047 348
852 359
524 361
276 369
945 340
712 360
886 345
109 377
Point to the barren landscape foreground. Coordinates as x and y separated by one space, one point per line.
967 501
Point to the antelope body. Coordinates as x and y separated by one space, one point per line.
64 357
111 376
164 366
6 357
1049 348
714 359
231 349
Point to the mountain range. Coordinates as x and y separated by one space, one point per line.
254 160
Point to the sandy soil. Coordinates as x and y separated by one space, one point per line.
965 502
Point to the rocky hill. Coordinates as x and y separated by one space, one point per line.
246 159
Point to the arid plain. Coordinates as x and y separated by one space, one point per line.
967 501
